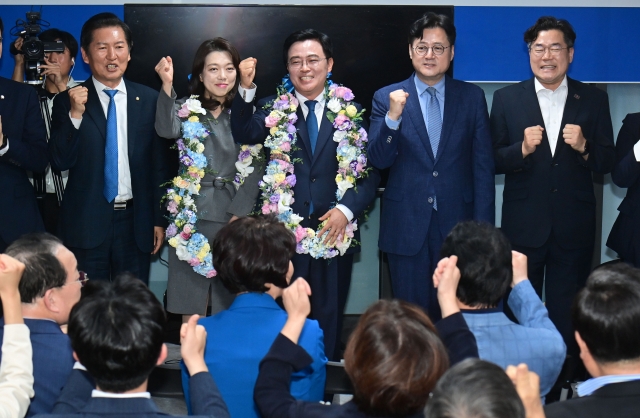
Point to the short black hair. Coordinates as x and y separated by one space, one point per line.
606 313
42 269
99 21
432 20
117 332
305 35
252 251
475 388
546 23
484 260
1 26
67 39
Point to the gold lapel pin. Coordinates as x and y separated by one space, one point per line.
137 98
1 96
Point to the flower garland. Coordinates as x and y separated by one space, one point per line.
190 245
279 179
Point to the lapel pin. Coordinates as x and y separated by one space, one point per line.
1 96
576 97
137 98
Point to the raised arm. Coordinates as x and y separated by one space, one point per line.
167 120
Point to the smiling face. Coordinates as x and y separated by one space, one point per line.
549 68
430 68
218 75
108 55
308 78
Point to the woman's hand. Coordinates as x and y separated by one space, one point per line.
165 71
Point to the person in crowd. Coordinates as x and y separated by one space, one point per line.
23 147
252 257
605 316
57 71
116 332
103 133
488 267
550 133
624 237
308 56
432 132
394 356
16 373
214 79
49 288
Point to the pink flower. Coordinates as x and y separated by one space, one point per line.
270 122
273 207
183 112
172 207
194 262
344 93
359 168
265 209
286 146
300 233
187 229
185 236
340 119
211 274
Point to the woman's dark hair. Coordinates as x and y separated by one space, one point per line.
431 21
252 251
305 35
197 87
99 21
546 23
394 358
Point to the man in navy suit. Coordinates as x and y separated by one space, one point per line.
550 133
307 55
116 332
23 146
432 132
103 133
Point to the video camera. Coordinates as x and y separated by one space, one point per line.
33 48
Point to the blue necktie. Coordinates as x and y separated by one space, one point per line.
110 190
434 126
312 124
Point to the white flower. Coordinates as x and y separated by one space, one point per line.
339 135
194 106
284 202
193 189
200 148
188 200
343 186
244 168
295 219
183 253
334 105
268 178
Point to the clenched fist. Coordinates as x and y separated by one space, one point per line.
247 72
78 97
165 71
397 100
572 135
532 138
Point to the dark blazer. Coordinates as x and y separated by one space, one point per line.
76 400
625 234
619 400
22 124
461 176
544 193
85 214
315 174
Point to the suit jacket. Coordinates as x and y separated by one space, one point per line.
625 234
545 194
461 176
620 400
316 173
85 215
52 363
238 338
534 340
76 400
22 124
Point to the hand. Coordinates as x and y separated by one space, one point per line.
165 71
233 218
78 97
336 225
572 135
19 57
295 299
158 238
193 338
519 265
10 274
52 71
446 278
528 387
247 72
532 138
397 100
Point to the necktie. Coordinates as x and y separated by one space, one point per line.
312 124
110 190
434 126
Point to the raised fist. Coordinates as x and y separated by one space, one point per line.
397 100
78 97
532 138
247 72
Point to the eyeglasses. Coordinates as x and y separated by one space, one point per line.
422 50
539 50
83 279
312 62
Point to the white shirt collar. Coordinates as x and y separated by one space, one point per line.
539 87
587 387
320 99
99 86
100 394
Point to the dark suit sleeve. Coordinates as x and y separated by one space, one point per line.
507 156
383 141
30 150
75 393
457 338
484 189
602 154
160 174
248 127
205 396
627 169
63 141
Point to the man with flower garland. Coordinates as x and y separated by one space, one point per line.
432 132
308 205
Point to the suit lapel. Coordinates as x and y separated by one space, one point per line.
451 99
325 132
534 114
571 108
415 114
133 116
93 109
303 133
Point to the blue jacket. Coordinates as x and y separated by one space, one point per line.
238 339
536 341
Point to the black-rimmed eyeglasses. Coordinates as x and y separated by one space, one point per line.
422 50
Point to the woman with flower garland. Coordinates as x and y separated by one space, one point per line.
219 200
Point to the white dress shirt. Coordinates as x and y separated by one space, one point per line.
16 372
552 107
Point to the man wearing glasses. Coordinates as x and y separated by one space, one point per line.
49 288
432 132
549 134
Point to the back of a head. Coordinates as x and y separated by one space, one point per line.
394 359
252 251
484 260
475 388
606 313
117 332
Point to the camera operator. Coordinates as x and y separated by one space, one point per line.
57 71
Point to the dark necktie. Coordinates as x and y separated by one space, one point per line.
110 190
434 127
312 124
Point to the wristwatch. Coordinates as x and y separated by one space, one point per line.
586 149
